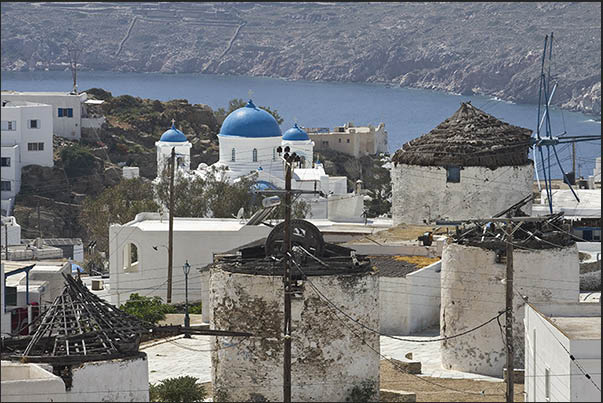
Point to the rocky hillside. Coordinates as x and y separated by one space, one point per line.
86 168
484 48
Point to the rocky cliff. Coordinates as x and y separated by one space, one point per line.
485 48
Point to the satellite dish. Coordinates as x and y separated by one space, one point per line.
240 213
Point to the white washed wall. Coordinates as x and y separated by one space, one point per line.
472 293
422 193
412 303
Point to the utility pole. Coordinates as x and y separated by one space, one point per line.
287 281
39 227
574 159
5 242
509 312
289 160
171 226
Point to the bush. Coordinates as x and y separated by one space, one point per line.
77 160
148 309
180 389
365 392
195 309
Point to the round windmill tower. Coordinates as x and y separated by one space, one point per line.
472 165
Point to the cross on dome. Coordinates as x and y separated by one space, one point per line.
173 123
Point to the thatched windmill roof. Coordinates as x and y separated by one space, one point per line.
470 137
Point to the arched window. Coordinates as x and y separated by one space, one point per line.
255 155
130 258
233 157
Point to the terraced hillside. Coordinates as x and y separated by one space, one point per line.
485 48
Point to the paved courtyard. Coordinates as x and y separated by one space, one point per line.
181 356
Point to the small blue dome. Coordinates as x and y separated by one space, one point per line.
295 134
173 135
250 121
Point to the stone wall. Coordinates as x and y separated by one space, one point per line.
328 359
422 193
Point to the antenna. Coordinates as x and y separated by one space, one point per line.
74 53
545 96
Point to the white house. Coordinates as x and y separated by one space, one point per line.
350 139
562 344
67 109
11 235
138 253
471 165
26 140
249 139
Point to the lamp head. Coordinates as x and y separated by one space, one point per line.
186 267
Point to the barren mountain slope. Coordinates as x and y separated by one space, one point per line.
486 48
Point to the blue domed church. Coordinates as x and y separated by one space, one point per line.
249 138
173 138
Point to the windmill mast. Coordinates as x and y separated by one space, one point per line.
73 56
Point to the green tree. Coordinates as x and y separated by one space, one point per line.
237 103
213 196
118 204
148 309
175 390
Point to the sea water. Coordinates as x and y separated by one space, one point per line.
407 113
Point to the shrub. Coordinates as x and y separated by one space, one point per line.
180 389
365 392
148 309
77 160
195 309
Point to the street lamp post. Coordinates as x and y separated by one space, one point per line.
187 320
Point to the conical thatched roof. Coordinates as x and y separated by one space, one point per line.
470 137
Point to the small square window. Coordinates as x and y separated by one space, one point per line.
5 161
5 186
60 112
9 125
69 112
348 140
34 124
453 174
40 146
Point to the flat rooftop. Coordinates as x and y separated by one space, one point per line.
579 328
21 104
190 224
41 93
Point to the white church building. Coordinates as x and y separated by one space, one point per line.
249 139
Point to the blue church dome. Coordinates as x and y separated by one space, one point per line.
173 135
250 121
296 134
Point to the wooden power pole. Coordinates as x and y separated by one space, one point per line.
39 227
509 313
287 282
574 160
171 226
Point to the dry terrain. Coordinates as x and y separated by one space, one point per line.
485 48
430 389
